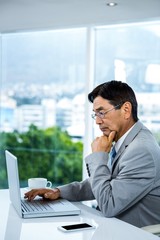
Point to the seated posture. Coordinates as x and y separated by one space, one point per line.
127 184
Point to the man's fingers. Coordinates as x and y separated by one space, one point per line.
111 136
46 193
33 193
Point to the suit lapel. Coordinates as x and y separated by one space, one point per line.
131 135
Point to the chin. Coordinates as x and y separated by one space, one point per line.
106 133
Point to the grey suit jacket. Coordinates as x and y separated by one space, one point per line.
131 190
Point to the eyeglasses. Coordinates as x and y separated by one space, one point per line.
101 115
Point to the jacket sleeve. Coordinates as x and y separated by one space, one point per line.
77 191
134 178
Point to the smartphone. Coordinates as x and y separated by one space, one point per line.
76 227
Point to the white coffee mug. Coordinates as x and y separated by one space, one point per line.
39 183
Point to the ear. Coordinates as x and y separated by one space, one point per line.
127 109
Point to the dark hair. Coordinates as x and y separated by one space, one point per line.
117 93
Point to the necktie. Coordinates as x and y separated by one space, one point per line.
112 154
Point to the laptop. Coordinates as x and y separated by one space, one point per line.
38 207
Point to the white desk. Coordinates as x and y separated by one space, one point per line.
14 228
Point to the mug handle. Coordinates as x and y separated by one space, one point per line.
49 184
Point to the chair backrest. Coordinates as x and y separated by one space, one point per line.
155 229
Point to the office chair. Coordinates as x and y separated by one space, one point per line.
155 229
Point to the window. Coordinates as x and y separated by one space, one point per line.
42 103
43 86
131 53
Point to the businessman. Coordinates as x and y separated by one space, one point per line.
124 166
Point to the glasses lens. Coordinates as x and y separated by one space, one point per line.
93 116
98 114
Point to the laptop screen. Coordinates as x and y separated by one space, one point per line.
13 181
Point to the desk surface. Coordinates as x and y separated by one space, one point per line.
15 228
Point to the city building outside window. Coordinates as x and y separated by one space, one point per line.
42 103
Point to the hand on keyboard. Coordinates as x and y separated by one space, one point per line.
51 194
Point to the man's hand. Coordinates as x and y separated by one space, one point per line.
103 143
51 194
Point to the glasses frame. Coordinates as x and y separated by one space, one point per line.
101 115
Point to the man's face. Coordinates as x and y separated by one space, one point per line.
113 120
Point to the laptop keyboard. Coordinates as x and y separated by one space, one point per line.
36 206
41 207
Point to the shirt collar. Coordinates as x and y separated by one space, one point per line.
121 140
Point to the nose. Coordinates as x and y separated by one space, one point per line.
98 120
